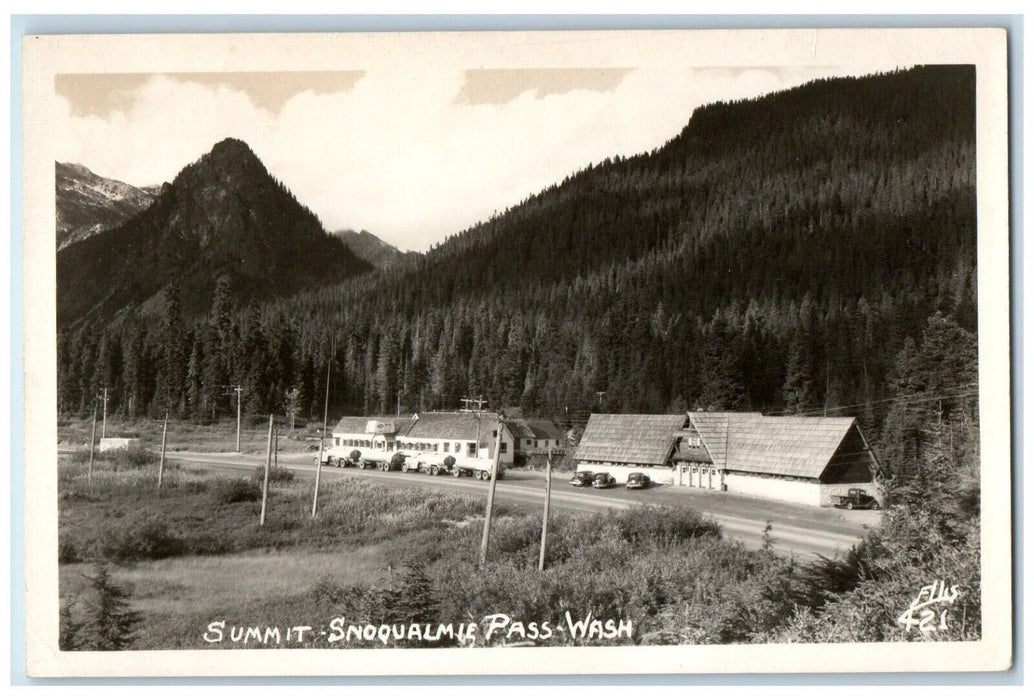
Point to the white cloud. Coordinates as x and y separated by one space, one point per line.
396 155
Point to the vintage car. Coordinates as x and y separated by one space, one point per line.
602 480
637 480
856 499
581 479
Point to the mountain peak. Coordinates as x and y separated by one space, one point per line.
224 214
232 146
227 158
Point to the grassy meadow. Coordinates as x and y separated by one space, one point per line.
218 436
196 553
141 569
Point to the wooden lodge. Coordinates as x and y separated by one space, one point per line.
458 433
786 458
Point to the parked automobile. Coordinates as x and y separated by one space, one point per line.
581 479
856 499
602 480
637 480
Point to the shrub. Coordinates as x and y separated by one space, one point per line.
150 539
131 458
237 491
67 552
277 474
665 525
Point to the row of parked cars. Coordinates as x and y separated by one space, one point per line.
603 480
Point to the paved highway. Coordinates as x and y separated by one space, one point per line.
800 531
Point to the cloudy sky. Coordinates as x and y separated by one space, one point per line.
412 156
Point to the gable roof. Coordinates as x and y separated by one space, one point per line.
631 439
785 445
544 429
533 429
713 427
358 424
459 425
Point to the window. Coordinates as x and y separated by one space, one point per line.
502 448
527 443
456 448
471 449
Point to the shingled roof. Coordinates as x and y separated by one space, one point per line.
785 446
454 426
459 425
534 429
780 445
357 424
713 427
629 439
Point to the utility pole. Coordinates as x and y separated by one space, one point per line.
236 390
545 509
93 438
292 405
265 478
239 389
323 433
491 497
276 447
104 414
161 462
477 411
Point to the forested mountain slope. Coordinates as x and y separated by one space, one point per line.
776 255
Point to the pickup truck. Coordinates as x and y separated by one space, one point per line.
856 499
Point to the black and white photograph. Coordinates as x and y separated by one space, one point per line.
517 352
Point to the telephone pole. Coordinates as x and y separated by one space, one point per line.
161 463
93 438
104 411
230 390
323 433
545 509
491 498
265 477
477 411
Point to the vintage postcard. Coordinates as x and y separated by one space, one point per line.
517 353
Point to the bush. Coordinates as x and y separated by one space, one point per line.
277 474
150 539
237 491
665 525
67 552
